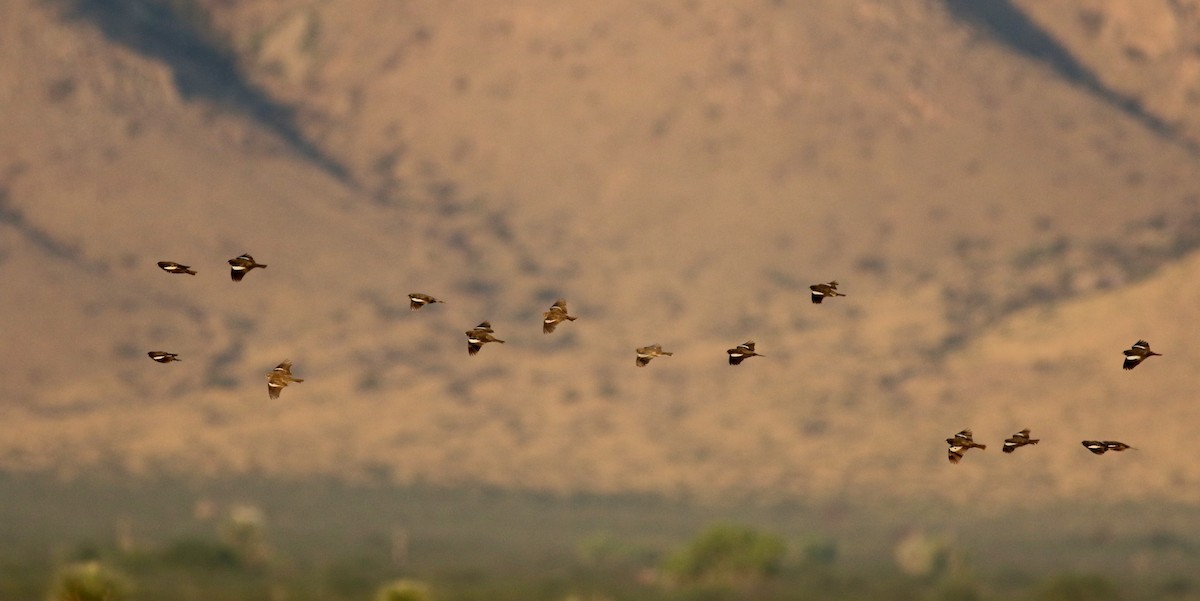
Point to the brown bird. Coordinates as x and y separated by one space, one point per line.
417 300
240 265
646 353
1019 439
279 377
1101 447
173 267
960 443
1140 351
742 352
556 315
479 336
820 291
163 356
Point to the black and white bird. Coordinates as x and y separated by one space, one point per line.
1140 351
173 267
1101 447
646 353
417 300
163 356
240 265
960 443
1019 439
279 377
556 315
479 336
820 291
742 352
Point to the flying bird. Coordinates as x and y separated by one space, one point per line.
173 267
960 443
1140 351
820 291
742 352
417 300
1101 447
556 315
1019 439
646 353
240 265
163 356
279 377
479 336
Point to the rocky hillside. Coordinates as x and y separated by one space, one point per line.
680 172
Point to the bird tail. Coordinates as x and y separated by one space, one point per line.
498 340
1034 441
570 318
667 353
190 271
297 379
978 446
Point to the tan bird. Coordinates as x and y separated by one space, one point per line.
742 352
556 315
240 265
1019 439
820 291
1140 351
479 336
173 267
163 356
960 443
279 377
646 353
417 300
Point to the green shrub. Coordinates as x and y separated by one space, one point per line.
90 581
404 590
727 553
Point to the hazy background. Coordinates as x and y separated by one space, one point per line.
1008 192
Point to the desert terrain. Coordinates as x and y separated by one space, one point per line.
1009 198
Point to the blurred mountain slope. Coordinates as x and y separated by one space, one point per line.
679 172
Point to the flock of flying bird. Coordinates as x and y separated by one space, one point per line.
960 443
963 441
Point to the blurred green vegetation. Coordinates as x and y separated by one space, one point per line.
90 581
319 540
404 590
727 554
